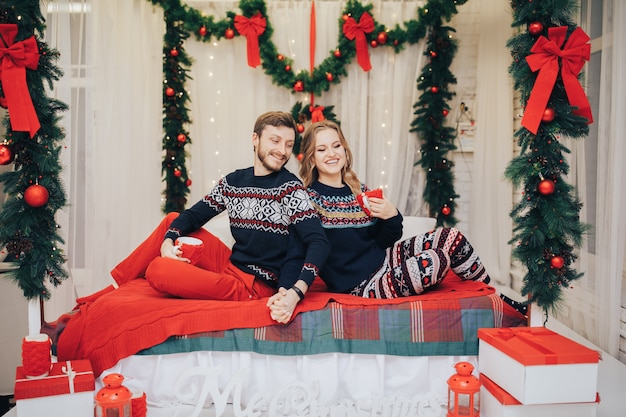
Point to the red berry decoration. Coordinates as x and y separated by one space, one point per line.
6 155
229 33
445 210
557 262
546 187
202 31
182 138
382 38
434 89
535 28
36 195
548 114
169 91
300 128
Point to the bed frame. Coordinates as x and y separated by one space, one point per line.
340 355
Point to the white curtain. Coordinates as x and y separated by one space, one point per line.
112 57
491 202
592 307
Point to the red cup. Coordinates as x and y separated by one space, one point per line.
191 247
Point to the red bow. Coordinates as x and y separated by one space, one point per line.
317 113
14 59
352 30
251 28
545 59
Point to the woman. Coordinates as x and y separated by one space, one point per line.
366 259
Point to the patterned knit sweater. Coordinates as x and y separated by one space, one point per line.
358 241
262 212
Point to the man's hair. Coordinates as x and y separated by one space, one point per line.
274 118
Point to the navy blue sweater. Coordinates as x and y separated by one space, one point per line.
358 242
262 212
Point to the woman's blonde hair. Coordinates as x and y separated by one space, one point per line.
308 171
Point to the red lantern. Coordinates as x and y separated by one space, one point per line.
36 195
463 392
114 399
6 155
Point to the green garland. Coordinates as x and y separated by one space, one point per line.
547 227
27 226
183 21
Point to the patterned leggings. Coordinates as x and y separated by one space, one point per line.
421 262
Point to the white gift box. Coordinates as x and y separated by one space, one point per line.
496 402
538 366
67 391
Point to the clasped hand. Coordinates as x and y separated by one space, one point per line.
282 305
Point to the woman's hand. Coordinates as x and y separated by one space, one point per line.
282 305
382 208
169 250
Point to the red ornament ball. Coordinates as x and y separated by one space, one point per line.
337 53
445 210
229 33
36 195
280 57
546 187
382 38
6 155
433 54
177 172
329 77
169 91
188 182
287 68
548 114
300 156
445 112
174 52
434 89
298 86
202 31
182 138
374 43
300 128
557 262
535 28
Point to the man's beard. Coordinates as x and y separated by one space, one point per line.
264 161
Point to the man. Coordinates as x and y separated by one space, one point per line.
265 203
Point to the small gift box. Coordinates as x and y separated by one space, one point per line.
496 402
538 366
67 390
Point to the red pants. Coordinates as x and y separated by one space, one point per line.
214 277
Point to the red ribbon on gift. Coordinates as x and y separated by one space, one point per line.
545 59
317 113
251 28
14 59
353 30
532 338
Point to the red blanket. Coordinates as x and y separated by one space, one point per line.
115 323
